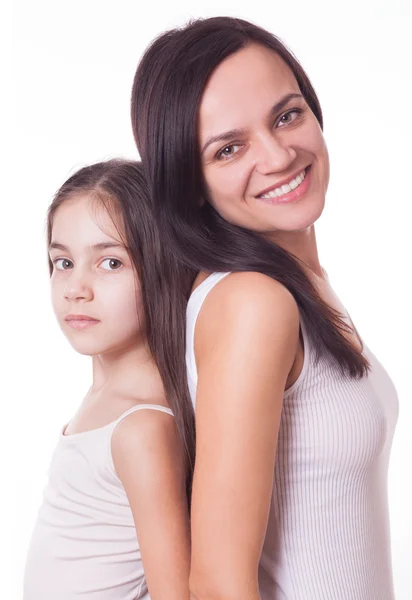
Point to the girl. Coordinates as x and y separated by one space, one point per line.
294 414
122 465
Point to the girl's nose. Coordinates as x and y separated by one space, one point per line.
78 288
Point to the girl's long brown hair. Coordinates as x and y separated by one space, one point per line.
167 90
120 185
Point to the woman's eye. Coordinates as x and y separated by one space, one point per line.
111 264
288 117
63 264
227 151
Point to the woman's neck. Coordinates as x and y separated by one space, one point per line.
303 245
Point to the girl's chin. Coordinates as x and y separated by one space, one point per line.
88 350
115 350
90 347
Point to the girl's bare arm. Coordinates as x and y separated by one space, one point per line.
148 458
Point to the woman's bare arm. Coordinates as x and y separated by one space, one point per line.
148 458
246 340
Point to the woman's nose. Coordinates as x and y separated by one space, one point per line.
273 156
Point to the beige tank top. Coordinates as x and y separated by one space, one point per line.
328 531
84 543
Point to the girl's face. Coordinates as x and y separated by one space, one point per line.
264 158
95 290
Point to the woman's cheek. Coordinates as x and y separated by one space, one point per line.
227 187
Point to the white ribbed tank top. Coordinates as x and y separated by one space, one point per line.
328 531
84 543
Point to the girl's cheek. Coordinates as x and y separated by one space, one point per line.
58 284
117 291
55 285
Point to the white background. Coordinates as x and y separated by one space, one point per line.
73 68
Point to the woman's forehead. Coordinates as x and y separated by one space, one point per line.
245 85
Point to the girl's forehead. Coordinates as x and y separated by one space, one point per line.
84 219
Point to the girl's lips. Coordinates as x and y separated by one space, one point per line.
293 195
80 321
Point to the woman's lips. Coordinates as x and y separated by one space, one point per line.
293 195
80 321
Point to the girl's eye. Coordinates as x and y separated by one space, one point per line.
227 152
63 264
111 264
289 117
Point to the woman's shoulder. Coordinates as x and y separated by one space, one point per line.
242 290
246 300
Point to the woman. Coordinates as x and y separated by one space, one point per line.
294 414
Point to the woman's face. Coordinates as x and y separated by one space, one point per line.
264 158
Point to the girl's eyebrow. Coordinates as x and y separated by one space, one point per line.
98 247
234 133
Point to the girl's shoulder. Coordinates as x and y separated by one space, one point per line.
145 433
135 409
142 416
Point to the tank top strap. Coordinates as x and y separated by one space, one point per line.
198 296
194 305
142 407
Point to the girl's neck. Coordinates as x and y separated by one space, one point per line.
129 371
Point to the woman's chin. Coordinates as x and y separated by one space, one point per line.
298 217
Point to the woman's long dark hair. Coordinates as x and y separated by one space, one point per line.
167 90
121 187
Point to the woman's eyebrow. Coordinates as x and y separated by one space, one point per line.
98 247
282 103
227 136
223 137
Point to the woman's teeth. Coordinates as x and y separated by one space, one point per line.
286 188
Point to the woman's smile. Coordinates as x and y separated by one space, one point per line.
292 190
